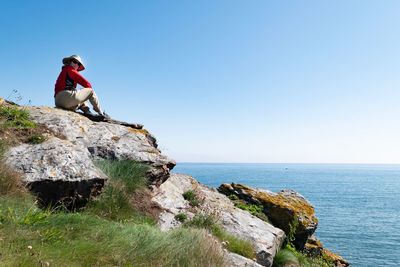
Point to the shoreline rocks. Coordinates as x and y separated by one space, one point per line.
265 238
287 210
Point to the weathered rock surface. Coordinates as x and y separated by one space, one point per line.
266 239
235 260
106 140
285 209
57 171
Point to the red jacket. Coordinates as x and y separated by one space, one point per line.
69 77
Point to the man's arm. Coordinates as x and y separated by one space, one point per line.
79 79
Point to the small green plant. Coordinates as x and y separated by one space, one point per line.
202 221
192 198
51 235
256 210
182 217
292 231
36 139
233 197
14 117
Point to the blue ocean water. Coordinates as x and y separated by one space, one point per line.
358 206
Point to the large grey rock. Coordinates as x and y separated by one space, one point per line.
57 171
106 140
61 170
266 239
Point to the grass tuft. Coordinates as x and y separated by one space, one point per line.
130 173
15 117
115 201
36 139
192 198
182 217
289 255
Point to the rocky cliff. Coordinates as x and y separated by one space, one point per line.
61 169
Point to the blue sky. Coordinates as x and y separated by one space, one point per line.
224 81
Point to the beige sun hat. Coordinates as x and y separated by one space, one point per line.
67 61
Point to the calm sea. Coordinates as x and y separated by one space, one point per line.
358 206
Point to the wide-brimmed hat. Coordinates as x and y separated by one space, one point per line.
67 61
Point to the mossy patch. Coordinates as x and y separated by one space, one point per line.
253 209
181 217
192 198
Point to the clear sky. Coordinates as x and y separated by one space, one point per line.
224 81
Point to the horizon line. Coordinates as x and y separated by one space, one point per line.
327 163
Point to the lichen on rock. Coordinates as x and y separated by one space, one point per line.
285 209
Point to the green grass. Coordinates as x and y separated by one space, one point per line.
290 255
114 202
36 139
30 236
192 198
15 117
256 210
234 244
110 232
132 174
182 217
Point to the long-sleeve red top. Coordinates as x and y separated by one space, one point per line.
69 77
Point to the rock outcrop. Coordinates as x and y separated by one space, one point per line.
287 210
266 239
106 140
61 168
57 172
314 248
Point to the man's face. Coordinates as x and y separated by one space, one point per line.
75 64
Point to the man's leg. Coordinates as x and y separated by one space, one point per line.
66 99
88 94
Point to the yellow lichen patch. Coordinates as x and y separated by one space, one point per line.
115 138
138 131
296 205
329 255
2 101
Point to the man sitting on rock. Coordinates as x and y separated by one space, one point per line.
66 95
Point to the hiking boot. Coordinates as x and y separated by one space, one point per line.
104 114
86 110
